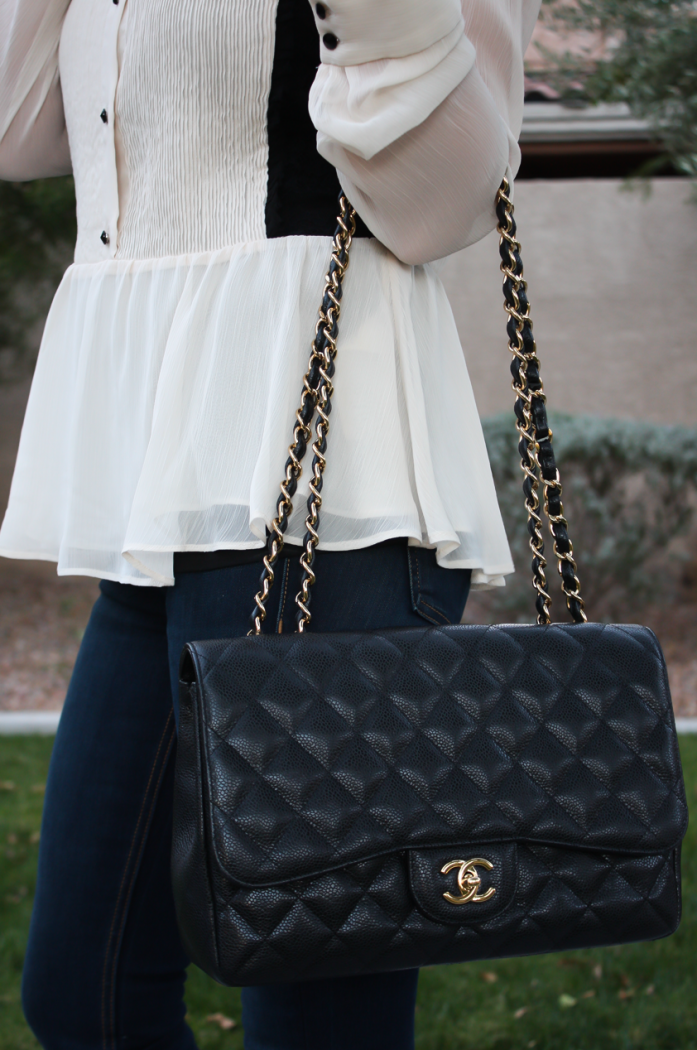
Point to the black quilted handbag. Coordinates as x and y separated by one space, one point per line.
349 803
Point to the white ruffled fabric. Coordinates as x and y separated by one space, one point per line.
168 388
170 368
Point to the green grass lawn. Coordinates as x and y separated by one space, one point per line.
637 996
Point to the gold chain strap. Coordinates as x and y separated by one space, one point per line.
316 394
535 447
327 324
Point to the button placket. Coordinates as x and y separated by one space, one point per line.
104 117
108 76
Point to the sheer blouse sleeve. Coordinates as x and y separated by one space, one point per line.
418 104
33 136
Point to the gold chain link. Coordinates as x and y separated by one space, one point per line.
316 392
518 310
329 314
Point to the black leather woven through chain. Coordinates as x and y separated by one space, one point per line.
323 781
541 432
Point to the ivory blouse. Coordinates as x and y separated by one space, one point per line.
171 362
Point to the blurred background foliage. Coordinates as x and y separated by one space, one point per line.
630 496
648 61
37 238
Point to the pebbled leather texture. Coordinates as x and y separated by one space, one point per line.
321 777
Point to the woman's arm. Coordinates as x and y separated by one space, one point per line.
419 106
33 137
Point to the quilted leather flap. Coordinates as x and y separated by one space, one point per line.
320 750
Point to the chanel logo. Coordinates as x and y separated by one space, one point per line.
468 881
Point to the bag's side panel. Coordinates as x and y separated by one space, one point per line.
364 919
190 872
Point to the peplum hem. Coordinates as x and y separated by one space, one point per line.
163 404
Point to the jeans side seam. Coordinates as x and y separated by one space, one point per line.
438 612
414 595
418 602
284 594
108 1025
134 875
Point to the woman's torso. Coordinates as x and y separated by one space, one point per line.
214 143
170 369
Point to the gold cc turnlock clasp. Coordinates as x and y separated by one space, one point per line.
468 881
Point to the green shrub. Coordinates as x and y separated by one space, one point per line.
650 63
630 495
37 237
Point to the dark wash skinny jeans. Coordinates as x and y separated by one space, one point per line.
105 968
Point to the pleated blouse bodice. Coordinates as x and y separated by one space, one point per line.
191 134
172 358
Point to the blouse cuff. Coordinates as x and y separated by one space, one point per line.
356 31
365 108
29 36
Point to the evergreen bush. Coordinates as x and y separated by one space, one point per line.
650 63
630 496
37 238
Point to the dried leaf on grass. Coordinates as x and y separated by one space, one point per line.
521 1012
226 1023
565 963
566 1001
18 896
489 976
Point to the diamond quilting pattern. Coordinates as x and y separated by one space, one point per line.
367 744
364 918
312 764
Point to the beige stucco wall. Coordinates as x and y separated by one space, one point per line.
613 285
